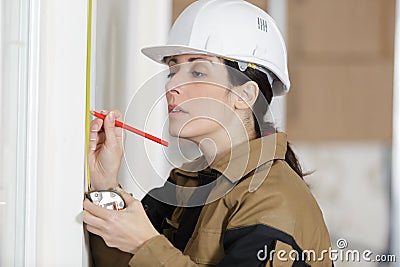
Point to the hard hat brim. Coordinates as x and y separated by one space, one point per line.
159 53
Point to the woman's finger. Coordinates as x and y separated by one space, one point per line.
97 211
109 129
118 114
94 230
96 124
92 220
100 138
113 133
95 130
93 140
128 198
118 131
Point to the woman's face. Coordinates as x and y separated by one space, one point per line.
199 105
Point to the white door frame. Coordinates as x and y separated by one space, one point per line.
55 132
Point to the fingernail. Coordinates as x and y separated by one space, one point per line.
95 128
92 139
112 116
102 111
93 148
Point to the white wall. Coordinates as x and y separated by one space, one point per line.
351 182
61 132
396 141
12 210
42 134
123 28
278 11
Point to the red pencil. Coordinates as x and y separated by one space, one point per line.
130 128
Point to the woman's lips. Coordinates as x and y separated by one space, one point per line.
175 109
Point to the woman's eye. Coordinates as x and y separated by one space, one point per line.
198 74
170 75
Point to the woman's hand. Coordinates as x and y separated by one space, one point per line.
126 229
105 151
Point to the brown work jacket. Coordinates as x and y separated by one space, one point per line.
248 209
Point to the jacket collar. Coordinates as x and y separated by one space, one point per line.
242 159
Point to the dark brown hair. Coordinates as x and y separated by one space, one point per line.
260 108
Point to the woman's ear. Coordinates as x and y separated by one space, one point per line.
246 95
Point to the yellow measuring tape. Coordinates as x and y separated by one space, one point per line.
88 68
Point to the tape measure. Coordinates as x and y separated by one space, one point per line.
88 77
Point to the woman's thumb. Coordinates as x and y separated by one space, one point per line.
128 198
109 127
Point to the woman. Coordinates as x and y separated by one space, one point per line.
244 202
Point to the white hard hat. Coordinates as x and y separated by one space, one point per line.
232 29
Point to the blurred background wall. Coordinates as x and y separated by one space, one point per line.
122 28
339 113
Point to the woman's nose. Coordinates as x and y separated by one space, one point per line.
174 91
172 94
173 84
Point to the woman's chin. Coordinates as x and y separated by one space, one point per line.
178 133
189 134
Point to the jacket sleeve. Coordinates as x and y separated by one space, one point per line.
255 245
158 251
248 246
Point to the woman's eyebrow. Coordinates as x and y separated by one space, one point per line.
170 60
198 58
